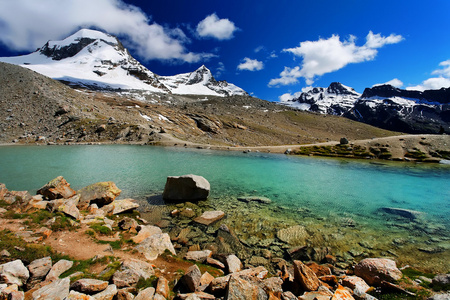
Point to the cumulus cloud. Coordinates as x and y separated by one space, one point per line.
35 22
329 55
436 83
213 27
394 82
251 65
288 76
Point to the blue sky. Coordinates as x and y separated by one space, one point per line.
269 48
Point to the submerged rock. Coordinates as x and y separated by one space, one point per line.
295 235
406 213
186 188
259 199
209 217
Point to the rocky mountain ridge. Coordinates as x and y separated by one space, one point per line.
383 106
98 60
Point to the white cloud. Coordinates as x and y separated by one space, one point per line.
251 65
288 76
394 82
212 26
288 96
378 41
329 55
35 22
435 83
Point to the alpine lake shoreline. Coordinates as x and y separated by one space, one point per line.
250 230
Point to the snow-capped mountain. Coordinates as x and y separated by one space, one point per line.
383 106
98 60
334 100
199 82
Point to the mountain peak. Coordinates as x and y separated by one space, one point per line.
98 60
340 89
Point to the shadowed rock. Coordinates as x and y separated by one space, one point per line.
186 188
56 188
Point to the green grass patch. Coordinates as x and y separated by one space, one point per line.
145 283
100 229
15 245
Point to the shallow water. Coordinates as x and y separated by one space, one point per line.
324 194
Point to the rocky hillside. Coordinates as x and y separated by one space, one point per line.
35 108
99 61
382 106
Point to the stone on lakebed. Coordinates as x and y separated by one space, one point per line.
209 217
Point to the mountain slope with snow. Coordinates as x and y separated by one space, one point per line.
383 106
98 60
334 100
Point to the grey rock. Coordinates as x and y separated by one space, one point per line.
445 296
14 272
56 290
56 188
441 281
130 271
69 207
74 295
128 223
155 245
145 294
89 286
199 256
234 264
186 188
106 294
101 193
239 288
191 279
121 206
59 268
376 270
38 269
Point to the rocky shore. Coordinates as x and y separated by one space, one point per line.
86 244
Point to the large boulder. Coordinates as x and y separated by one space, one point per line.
38 269
376 270
100 193
57 290
60 267
186 188
89 286
56 188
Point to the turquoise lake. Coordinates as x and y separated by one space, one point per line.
329 190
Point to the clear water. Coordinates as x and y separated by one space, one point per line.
330 189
